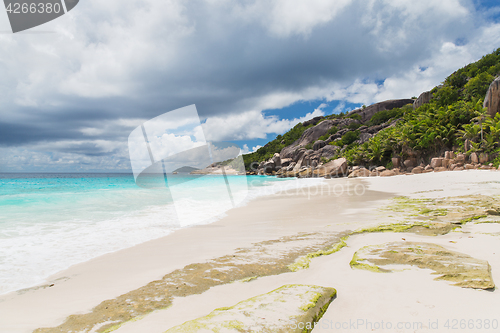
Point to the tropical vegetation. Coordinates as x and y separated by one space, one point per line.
454 114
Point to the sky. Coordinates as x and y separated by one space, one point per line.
73 89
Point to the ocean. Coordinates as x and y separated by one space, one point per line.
49 222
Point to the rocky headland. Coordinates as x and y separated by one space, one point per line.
455 126
217 169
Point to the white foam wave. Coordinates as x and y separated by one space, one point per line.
31 252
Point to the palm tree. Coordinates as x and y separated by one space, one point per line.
376 150
470 131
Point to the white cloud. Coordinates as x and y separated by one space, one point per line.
424 75
358 92
112 65
292 17
92 131
251 125
99 49
96 49
246 150
339 108
396 23
256 148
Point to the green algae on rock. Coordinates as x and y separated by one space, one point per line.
290 308
434 217
454 208
422 228
472 218
461 269
261 259
429 217
356 262
304 261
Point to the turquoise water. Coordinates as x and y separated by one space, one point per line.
49 222
24 197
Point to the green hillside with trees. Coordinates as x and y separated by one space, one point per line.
455 113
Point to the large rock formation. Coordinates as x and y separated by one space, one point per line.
336 168
369 111
362 172
310 164
312 121
492 99
474 158
364 137
328 151
436 162
297 160
321 127
319 144
310 135
388 173
424 98
277 161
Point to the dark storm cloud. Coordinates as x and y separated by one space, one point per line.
65 124
219 68
88 149
18 134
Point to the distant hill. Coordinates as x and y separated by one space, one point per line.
186 169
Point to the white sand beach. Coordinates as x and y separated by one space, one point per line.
272 232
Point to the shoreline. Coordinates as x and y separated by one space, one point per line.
74 258
259 220
263 219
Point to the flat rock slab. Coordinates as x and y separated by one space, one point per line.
462 269
290 308
270 257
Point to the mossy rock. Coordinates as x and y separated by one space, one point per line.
438 216
304 261
461 269
290 308
245 264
